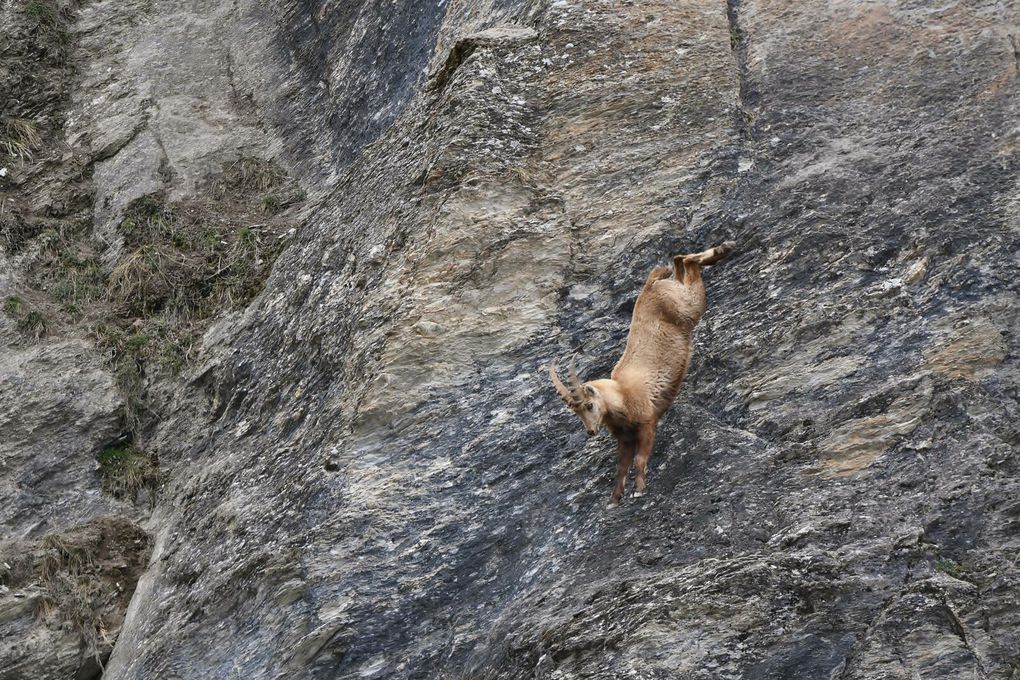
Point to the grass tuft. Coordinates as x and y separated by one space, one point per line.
15 231
270 204
126 471
29 321
251 176
62 554
13 306
35 324
19 137
43 12
75 277
957 570
69 587
147 279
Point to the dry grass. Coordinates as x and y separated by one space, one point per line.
260 182
186 268
15 231
71 589
29 321
251 176
19 137
150 278
62 554
87 574
182 265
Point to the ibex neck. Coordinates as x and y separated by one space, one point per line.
626 405
612 395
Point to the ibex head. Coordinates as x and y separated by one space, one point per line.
582 399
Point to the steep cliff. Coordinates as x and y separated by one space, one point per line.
390 218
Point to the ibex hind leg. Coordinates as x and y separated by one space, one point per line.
713 255
656 274
686 269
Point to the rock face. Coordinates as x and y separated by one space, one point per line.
367 471
58 402
68 561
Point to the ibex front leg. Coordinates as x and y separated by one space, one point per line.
624 456
645 441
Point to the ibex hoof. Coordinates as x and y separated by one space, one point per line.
612 505
639 494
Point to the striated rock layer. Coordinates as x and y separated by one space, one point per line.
367 472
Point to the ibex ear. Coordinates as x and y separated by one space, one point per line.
590 391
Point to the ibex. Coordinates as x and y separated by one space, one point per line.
647 377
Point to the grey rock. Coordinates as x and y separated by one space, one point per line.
368 474
58 408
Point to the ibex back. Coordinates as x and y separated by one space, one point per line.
647 377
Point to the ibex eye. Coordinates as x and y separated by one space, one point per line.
591 407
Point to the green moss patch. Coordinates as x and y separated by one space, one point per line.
127 470
30 321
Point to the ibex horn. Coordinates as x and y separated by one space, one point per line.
575 383
569 394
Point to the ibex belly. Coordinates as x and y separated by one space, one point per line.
658 357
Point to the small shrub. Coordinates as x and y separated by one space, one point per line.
136 343
43 12
957 570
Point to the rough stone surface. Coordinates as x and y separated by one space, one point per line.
59 408
368 474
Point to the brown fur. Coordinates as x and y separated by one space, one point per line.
648 376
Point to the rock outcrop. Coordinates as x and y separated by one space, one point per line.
365 473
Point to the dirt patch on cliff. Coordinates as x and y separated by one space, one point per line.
77 583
